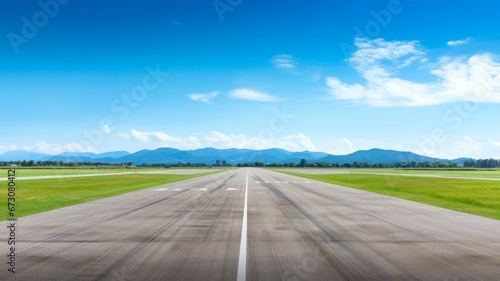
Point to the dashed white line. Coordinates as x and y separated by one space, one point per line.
242 264
161 189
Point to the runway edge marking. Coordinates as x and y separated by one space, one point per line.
242 264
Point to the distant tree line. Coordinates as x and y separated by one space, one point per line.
32 163
305 163
178 165
483 163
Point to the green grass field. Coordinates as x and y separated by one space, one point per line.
30 172
479 197
36 196
476 173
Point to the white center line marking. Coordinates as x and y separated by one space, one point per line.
242 264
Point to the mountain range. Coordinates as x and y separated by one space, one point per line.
232 156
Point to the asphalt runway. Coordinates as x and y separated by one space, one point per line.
156 172
294 229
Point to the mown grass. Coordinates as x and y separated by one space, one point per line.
478 197
36 196
476 173
451 172
30 172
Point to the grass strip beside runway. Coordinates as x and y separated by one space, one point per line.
478 197
36 196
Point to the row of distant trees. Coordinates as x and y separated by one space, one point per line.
178 165
304 163
33 163
481 163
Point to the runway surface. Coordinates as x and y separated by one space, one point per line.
296 229
154 172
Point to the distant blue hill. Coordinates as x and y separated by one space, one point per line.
21 155
375 156
232 156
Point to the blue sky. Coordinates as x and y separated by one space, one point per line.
332 76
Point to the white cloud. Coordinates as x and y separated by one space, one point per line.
343 147
123 136
203 97
106 129
249 94
468 147
349 145
165 139
285 62
474 79
7 148
458 42
494 143
295 142
43 147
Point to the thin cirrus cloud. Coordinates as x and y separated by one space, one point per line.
203 97
249 94
285 62
458 42
295 142
472 79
